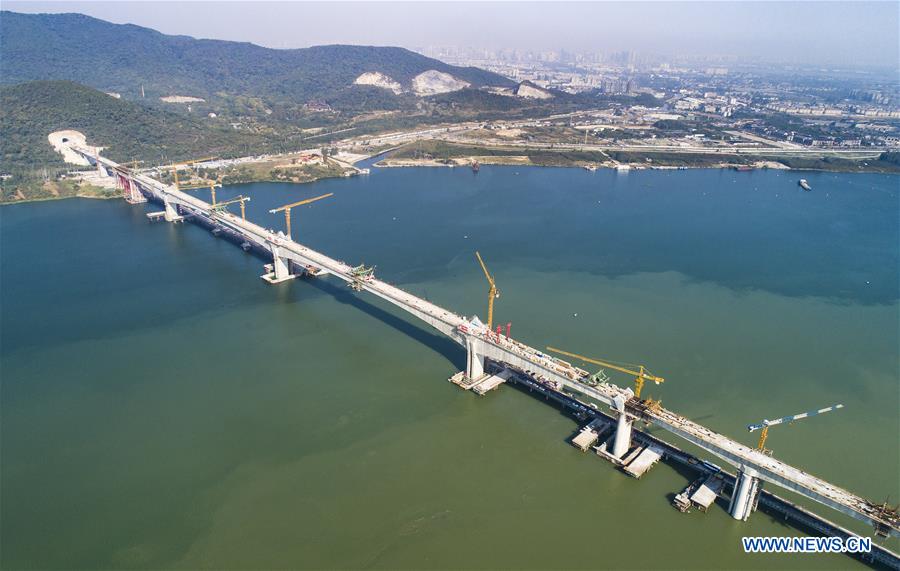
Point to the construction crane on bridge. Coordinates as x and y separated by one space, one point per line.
221 206
640 375
287 210
493 292
174 167
765 424
212 185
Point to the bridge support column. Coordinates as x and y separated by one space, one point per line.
281 271
474 360
622 438
171 212
743 499
622 441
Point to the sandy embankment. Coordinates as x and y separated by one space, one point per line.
456 162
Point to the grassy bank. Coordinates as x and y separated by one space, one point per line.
441 152
39 190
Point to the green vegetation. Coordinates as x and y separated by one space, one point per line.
125 57
31 111
61 188
441 151
566 158
670 159
886 163
889 158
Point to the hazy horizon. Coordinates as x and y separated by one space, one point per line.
817 33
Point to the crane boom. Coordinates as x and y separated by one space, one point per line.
240 198
300 203
196 186
492 291
642 372
640 375
193 161
784 419
484 269
287 209
765 424
174 167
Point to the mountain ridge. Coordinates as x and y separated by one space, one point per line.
49 47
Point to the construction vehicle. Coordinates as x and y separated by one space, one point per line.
765 424
287 210
493 292
640 375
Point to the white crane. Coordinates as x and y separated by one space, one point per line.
764 425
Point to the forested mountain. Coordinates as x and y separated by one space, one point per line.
122 58
31 111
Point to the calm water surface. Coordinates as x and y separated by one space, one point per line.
163 407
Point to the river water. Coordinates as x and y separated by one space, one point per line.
163 407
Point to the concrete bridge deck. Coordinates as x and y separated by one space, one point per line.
481 343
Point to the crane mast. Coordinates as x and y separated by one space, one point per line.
287 209
174 167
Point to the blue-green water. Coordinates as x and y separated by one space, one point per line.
163 407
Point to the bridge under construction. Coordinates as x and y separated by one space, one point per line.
493 358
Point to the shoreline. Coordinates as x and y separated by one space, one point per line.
57 198
516 160
250 179
525 161
463 162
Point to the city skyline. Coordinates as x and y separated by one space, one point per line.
819 33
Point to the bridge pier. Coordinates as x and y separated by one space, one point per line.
622 441
171 212
743 499
281 271
474 360
622 437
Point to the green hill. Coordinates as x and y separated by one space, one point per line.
122 58
31 111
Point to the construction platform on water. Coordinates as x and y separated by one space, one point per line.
711 482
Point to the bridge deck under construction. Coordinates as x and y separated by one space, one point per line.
502 349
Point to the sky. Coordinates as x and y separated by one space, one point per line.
842 33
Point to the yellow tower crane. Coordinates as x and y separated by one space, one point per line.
174 167
640 376
287 210
211 185
764 425
493 292
220 206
